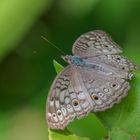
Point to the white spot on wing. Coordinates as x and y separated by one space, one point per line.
55 117
64 111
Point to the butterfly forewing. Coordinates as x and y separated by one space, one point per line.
95 43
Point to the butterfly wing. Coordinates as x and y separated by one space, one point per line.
104 90
117 63
95 43
66 99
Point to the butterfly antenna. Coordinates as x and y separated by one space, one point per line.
53 45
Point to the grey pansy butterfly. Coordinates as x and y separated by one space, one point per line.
95 79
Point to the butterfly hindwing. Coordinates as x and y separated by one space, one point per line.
118 64
118 61
104 90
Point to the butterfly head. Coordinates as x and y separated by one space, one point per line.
67 58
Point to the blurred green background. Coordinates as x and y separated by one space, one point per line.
26 60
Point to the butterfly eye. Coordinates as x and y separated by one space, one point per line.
95 97
75 102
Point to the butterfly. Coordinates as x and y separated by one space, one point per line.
95 79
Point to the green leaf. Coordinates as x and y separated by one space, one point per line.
89 126
57 66
63 135
76 8
123 119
